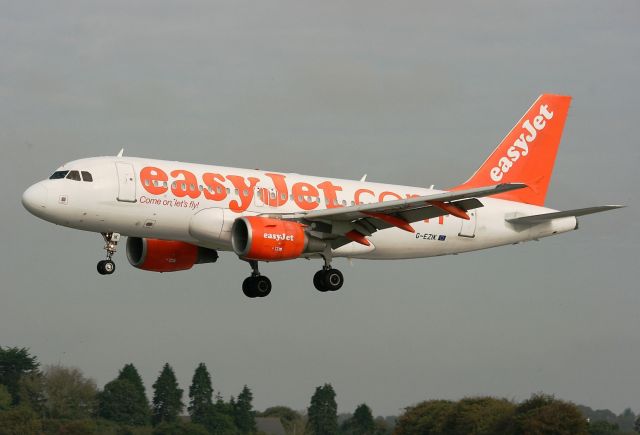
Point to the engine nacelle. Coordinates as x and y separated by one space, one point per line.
267 239
166 255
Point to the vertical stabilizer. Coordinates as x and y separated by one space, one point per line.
527 153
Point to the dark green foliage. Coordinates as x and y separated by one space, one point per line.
5 398
244 416
430 417
480 415
200 394
14 363
539 415
636 425
167 397
179 428
288 417
543 414
120 401
20 421
323 411
361 423
31 391
69 394
603 428
218 420
130 373
626 420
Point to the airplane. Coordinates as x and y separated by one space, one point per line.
176 214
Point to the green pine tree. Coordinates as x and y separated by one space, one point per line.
14 363
200 394
245 417
361 423
323 411
130 373
167 397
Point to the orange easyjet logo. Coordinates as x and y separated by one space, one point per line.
217 187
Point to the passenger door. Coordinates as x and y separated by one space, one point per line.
126 182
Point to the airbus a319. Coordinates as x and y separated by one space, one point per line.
176 215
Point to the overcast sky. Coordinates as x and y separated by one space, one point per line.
410 92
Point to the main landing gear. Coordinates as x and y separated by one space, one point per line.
259 286
256 286
328 279
107 267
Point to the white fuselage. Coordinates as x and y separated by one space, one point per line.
198 203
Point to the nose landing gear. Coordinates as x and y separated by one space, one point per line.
256 286
107 267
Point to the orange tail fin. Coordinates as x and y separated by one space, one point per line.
527 153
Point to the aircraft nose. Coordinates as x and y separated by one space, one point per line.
34 198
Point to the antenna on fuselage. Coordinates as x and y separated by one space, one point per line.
120 153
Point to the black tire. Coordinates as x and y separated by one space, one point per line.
248 287
333 279
262 286
100 267
319 282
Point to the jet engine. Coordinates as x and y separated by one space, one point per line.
166 255
267 239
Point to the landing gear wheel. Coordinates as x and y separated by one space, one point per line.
328 280
106 267
256 286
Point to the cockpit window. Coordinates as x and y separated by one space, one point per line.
73 175
58 174
86 176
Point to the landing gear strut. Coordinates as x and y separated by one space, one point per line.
328 279
107 267
256 286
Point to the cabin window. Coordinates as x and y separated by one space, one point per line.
73 175
86 176
58 174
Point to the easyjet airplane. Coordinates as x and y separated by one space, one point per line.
179 214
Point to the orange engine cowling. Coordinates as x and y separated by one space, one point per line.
266 239
166 255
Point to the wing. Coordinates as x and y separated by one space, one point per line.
343 225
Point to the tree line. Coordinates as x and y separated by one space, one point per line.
61 400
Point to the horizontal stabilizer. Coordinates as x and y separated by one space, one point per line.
539 218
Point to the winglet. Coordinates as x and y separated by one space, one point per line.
120 153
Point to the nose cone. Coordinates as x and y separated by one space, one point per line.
34 199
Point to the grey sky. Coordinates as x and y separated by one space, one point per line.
409 92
